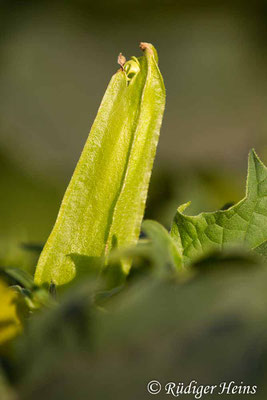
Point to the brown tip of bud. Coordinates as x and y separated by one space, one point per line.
145 46
121 60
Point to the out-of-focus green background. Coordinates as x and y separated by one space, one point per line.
56 60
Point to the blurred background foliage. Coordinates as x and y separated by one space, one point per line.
56 60
211 329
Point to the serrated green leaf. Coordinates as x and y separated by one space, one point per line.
242 224
104 203
262 250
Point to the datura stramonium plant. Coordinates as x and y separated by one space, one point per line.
104 203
